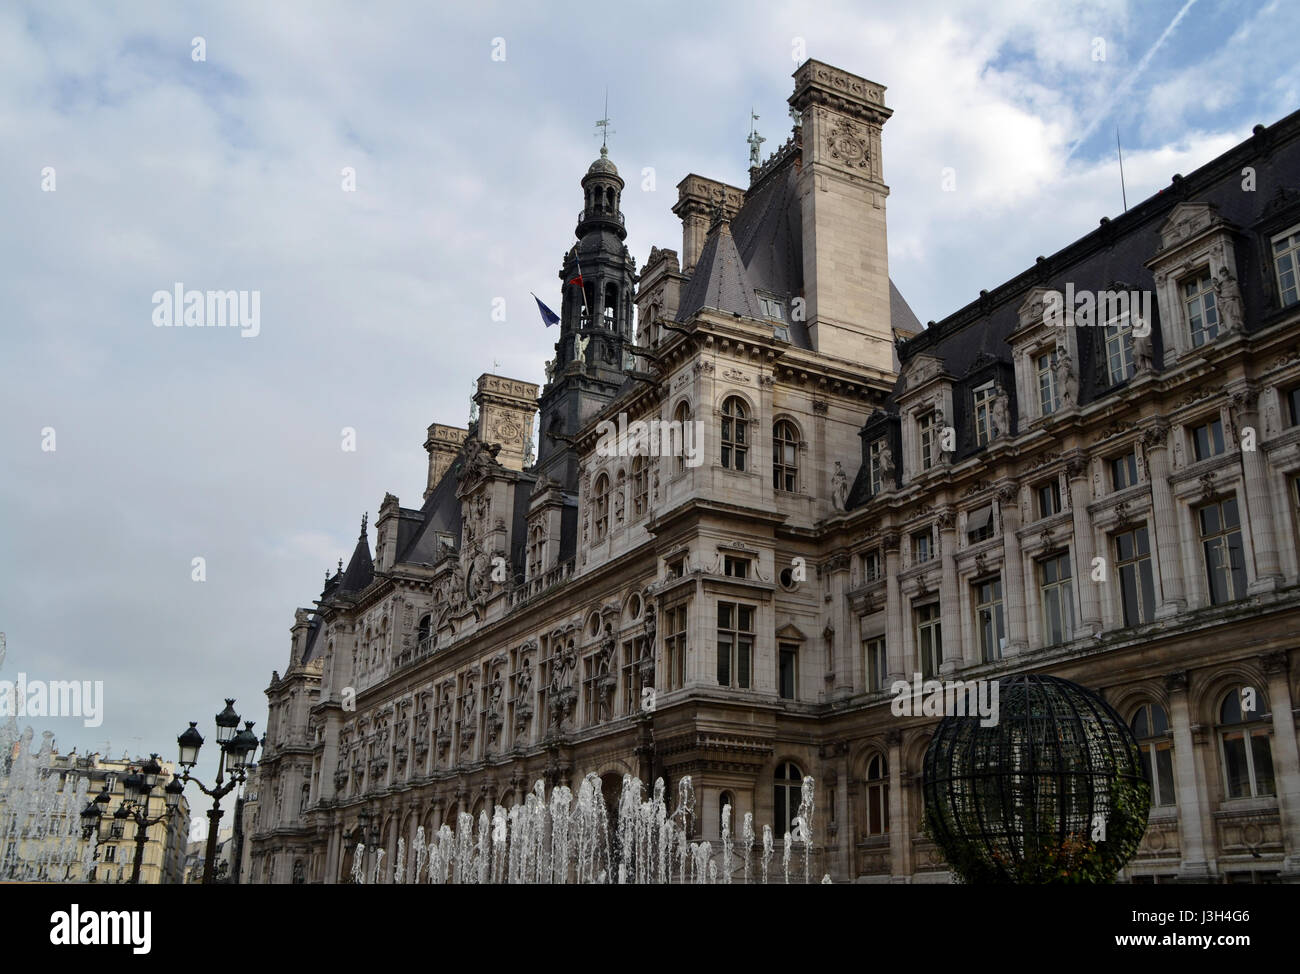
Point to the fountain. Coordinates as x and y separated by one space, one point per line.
568 839
40 809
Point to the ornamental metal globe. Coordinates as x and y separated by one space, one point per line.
1053 792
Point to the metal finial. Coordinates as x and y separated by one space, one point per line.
605 130
363 523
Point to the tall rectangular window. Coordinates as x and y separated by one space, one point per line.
877 471
1118 336
1057 597
1202 312
871 566
875 663
1293 405
1124 470
929 436
735 644
1049 498
1207 440
929 640
983 397
632 650
787 672
1286 261
922 547
1225 562
979 525
1048 395
1136 584
675 646
990 627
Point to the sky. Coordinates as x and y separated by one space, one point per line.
144 145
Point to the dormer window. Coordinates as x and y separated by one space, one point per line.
929 431
771 308
983 396
877 468
1118 337
1202 312
1049 397
602 507
1286 262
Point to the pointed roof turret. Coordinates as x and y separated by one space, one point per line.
719 281
361 569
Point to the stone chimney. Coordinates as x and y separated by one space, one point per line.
506 408
443 443
842 200
695 199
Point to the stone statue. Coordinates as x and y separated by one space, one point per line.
1227 297
651 627
1067 387
550 370
839 487
580 348
1000 413
1143 354
886 465
606 657
618 505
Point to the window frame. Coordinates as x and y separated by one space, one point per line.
784 472
982 397
1236 578
1292 236
994 608
740 647
734 442
927 621
1249 730
1059 591
1140 563
1199 306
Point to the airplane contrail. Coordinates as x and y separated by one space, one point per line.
1127 83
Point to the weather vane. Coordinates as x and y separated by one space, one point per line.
603 124
754 140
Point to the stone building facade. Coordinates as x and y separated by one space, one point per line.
1112 497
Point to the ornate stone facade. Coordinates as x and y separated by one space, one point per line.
1119 509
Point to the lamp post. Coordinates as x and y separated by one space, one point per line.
137 788
237 750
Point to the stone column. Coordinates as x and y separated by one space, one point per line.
1286 761
842 659
899 840
1189 787
1259 501
893 612
1165 516
955 654
1013 575
1085 547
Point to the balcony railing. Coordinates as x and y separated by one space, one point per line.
601 214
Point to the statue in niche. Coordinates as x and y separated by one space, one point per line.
1000 413
1227 298
886 465
839 487
1143 353
1067 387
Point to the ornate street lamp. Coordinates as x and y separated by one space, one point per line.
237 750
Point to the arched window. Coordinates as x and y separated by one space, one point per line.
681 416
1151 729
1244 737
640 487
601 517
727 814
611 305
423 631
787 789
877 795
785 456
735 447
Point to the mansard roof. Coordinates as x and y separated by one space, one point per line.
1117 252
440 514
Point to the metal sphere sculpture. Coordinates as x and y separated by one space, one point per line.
1053 792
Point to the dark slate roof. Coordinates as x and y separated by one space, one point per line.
972 342
440 513
361 569
901 317
719 280
315 645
